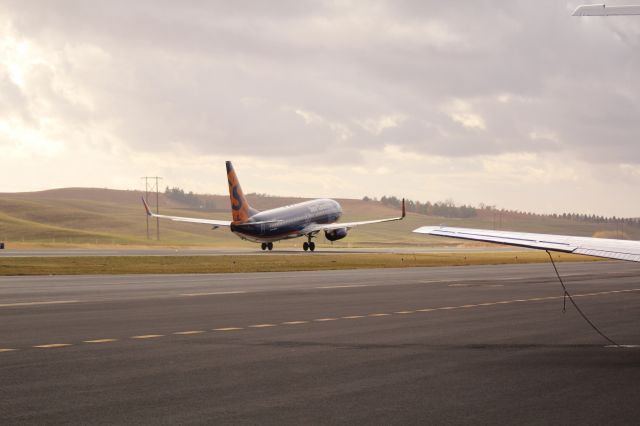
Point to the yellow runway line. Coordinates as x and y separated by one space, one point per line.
53 345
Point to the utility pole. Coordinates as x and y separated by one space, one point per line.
154 185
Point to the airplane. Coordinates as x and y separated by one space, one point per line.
297 220
598 247
604 10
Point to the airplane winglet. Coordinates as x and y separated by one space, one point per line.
146 207
404 211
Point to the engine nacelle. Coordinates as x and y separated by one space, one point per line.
335 234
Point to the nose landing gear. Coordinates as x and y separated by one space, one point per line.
266 246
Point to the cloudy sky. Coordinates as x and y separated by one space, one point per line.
510 103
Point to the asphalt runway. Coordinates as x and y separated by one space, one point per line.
461 345
251 250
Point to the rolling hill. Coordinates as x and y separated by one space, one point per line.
99 217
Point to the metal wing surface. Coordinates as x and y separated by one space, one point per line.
604 10
348 225
599 247
212 222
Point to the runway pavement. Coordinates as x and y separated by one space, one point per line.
238 251
480 345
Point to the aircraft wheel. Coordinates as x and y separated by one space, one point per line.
264 246
312 246
305 246
270 246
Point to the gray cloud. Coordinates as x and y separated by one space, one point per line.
328 81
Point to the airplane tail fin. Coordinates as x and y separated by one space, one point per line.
240 208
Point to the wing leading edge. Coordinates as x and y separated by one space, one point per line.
212 222
599 247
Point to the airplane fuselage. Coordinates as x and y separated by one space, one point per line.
287 222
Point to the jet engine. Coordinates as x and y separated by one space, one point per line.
335 234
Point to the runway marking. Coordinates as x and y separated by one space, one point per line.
372 315
52 302
344 286
215 293
53 345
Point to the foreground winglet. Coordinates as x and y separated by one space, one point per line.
404 210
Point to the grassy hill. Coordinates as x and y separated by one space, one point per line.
102 217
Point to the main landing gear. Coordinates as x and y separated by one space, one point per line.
309 245
267 246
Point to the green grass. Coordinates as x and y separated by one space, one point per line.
268 262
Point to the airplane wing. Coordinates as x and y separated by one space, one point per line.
349 225
599 247
213 222
604 10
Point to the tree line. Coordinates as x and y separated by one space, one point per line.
189 198
448 208
445 208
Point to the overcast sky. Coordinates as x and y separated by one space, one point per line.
510 103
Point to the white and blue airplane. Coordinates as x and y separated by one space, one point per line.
306 219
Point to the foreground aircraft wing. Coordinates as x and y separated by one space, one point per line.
604 10
599 247
349 225
213 222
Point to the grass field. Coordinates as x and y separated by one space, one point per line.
86 217
268 262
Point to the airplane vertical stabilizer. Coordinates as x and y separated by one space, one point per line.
240 208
